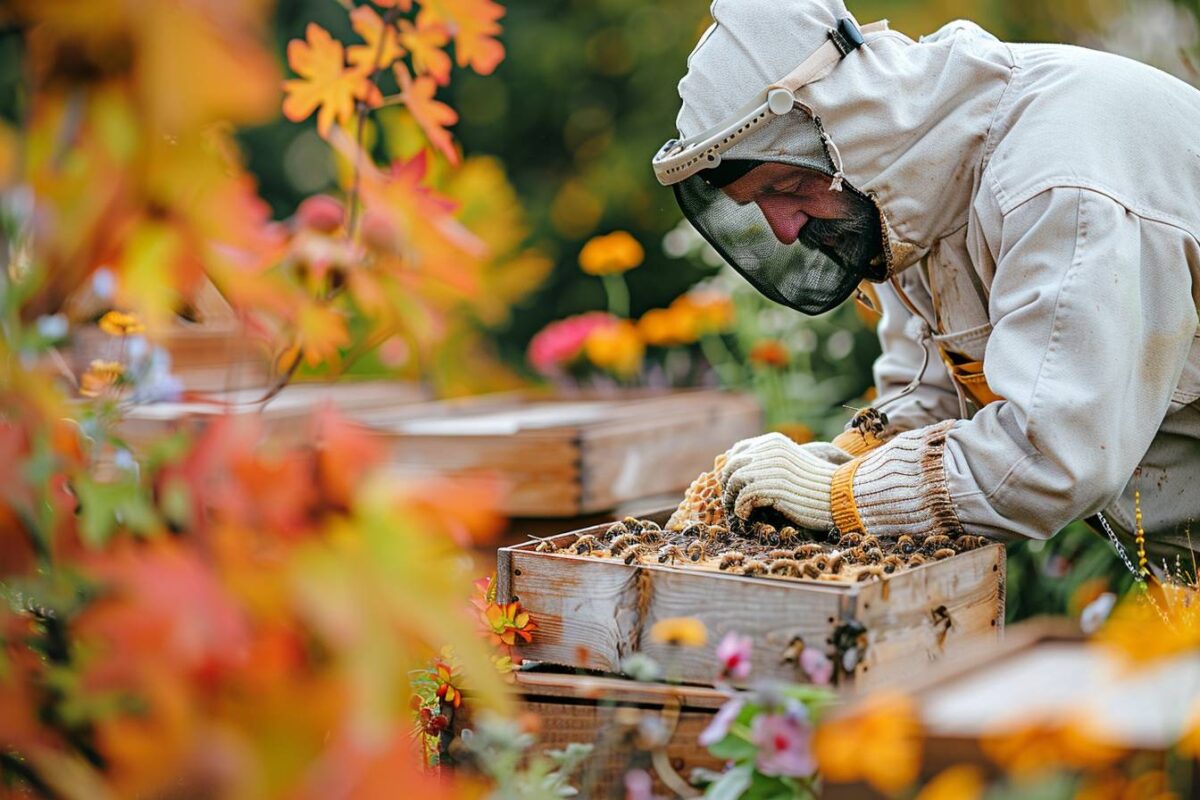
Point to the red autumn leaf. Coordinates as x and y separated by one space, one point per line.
474 26
432 115
425 41
382 46
325 85
345 453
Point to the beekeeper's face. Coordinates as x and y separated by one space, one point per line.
789 197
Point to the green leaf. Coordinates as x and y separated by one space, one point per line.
733 748
732 784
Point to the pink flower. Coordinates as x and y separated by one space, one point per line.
734 654
718 729
638 785
816 665
560 342
784 744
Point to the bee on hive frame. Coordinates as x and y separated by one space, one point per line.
695 550
622 543
586 544
731 559
754 567
670 552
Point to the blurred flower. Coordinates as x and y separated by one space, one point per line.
960 782
1189 743
721 722
100 376
433 724
769 353
503 664
1162 622
798 432
734 654
1113 785
119 323
638 785
877 742
1041 746
640 667
784 744
320 213
713 310
52 326
816 666
679 632
446 688
611 254
561 342
1096 613
616 348
507 622
104 284
668 327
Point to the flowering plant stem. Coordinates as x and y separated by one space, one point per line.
617 293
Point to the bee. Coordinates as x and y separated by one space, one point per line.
821 562
906 545
874 555
719 534
809 570
835 563
616 530
694 531
670 552
916 560
754 567
622 543
789 567
807 550
633 555
545 546
651 537
695 551
632 525
935 542
943 552
870 541
650 525
867 573
731 559
892 563
788 535
849 540
968 542
773 554
586 544
764 532
855 555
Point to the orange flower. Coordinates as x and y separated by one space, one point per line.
446 689
1161 623
1045 745
712 311
878 742
611 254
325 85
616 348
119 323
668 327
508 621
769 353
100 376
960 782
680 632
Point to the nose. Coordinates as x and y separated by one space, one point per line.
785 216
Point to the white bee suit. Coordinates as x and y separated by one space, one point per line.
1042 211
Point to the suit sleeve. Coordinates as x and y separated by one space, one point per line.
1092 318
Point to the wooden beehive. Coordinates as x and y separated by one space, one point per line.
566 456
604 712
593 612
283 417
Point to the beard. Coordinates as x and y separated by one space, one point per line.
855 241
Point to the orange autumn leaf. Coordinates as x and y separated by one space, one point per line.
382 44
432 115
325 85
474 25
345 453
426 42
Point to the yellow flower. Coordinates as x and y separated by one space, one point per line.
100 375
668 327
1041 746
119 323
960 782
878 742
679 632
611 254
1161 623
711 311
615 348
1189 744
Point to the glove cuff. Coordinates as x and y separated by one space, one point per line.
900 487
841 498
856 442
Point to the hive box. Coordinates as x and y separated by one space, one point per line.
593 612
569 455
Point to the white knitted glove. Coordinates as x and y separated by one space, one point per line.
772 471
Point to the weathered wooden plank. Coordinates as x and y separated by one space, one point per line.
918 614
600 688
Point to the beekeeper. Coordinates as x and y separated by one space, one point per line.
1027 217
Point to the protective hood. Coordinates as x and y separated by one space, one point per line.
908 120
